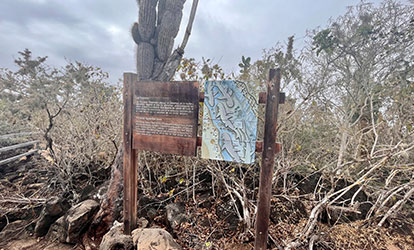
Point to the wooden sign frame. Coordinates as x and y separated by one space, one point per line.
165 117
132 142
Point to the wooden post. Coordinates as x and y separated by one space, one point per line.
266 171
129 159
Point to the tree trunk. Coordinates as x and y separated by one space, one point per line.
111 204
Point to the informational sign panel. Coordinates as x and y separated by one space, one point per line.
165 117
229 121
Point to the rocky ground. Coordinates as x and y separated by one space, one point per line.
36 214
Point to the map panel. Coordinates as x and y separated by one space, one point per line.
229 121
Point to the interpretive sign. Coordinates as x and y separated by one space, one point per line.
229 121
165 117
162 117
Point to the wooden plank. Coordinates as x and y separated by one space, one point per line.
129 161
262 97
266 171
165 117
8 136
165 144
17 146
17 157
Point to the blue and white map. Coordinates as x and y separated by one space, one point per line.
229 121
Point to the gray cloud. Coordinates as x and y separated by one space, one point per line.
96 32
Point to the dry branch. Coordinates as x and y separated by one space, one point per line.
189 25
8 136
397 206
17 146
17 157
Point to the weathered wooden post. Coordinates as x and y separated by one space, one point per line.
130 164
158 116
269 150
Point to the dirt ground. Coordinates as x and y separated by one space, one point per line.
33 244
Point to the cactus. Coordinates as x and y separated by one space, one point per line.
145 60
161 10
147 18
168 28
135 34
174 5
154 34
158 67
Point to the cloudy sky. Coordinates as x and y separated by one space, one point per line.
97 32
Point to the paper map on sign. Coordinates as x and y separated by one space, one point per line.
229 121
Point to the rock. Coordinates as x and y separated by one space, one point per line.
289 211
321 183
205 200
58 230
86 192
142 222
151 213
52 210
13 231
362 204
175 214
69 227
226 211
149 207
402 224
153 239
306 184
115 239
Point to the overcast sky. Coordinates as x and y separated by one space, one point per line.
97 32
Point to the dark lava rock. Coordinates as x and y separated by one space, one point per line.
68 228
175 213
52 210
149 207
226 211
289 211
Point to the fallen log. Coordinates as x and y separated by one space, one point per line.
8 136
17 146
17 157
